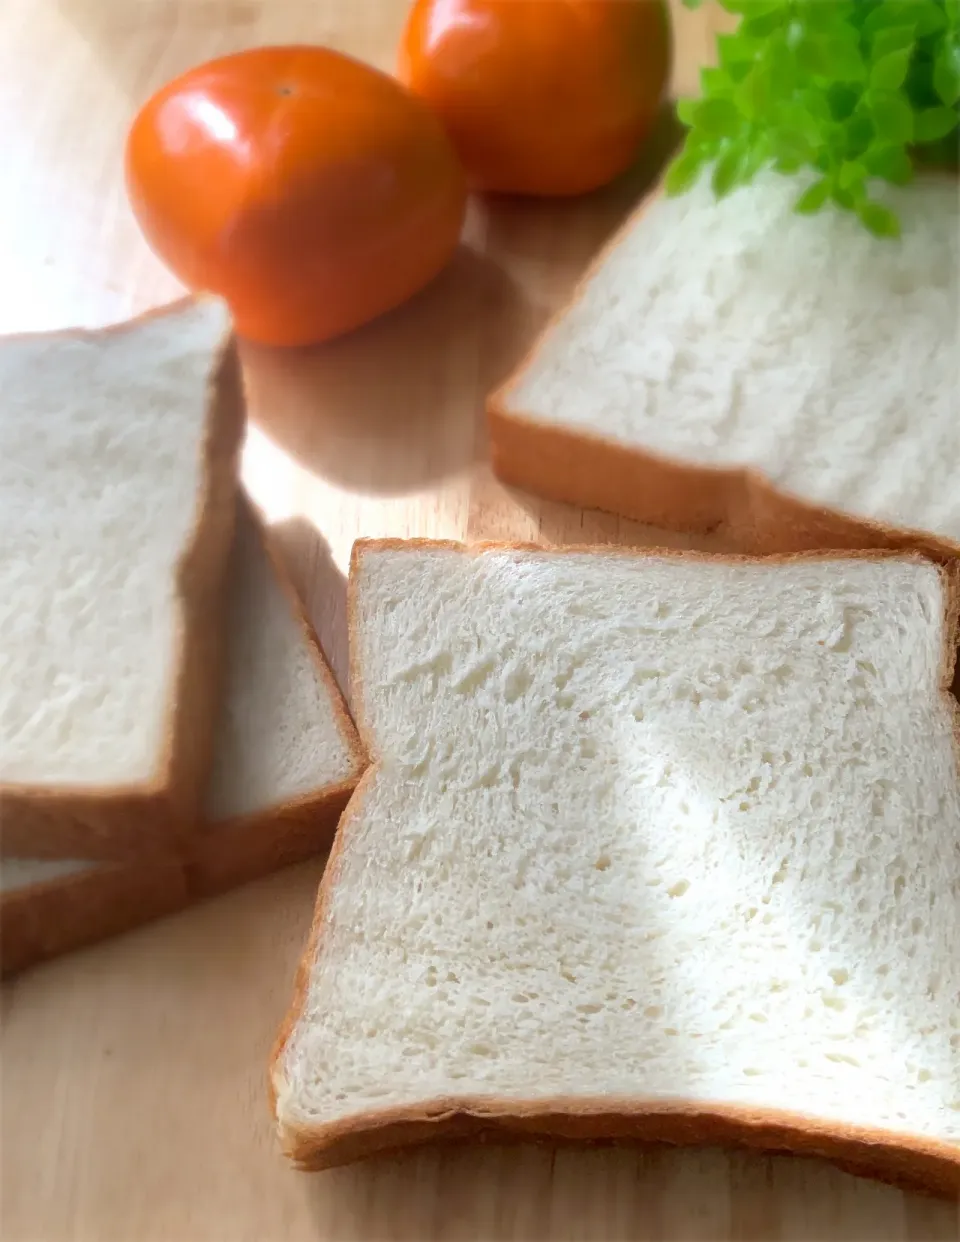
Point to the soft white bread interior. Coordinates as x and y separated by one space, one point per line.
283 731
738 334
287 753
646 835
118 455
287 757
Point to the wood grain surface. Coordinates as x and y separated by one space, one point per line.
133 1075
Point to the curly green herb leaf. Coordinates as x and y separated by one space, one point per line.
854 90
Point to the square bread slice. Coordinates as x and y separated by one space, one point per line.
287 758
654 846
733 362
118 463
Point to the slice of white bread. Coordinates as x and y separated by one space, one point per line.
287 758
288 755
734 362
118 462
654 846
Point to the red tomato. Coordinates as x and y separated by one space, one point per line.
547 97
310 191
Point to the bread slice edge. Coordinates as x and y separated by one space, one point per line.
224 855
51 918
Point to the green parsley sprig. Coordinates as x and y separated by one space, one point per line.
852 89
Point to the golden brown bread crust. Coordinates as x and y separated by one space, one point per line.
45 920
913 1162
114 823
225 856
923 1166
220 856
592 472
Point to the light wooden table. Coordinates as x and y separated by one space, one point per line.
133 1101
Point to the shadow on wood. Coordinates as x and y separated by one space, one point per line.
549 242
385 409
499 512
527 1193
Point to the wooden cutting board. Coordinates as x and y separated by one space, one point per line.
133 1101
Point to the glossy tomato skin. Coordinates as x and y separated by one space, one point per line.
310 191
540 97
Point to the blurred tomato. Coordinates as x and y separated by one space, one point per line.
547 97
310 191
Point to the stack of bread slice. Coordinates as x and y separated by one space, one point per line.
169 725
652 846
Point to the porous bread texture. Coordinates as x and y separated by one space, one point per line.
282 731
287 757
737 335
101 477
118 459
643 830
